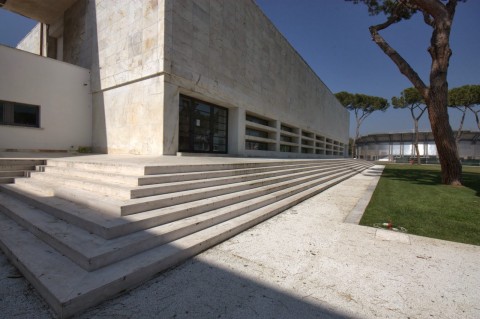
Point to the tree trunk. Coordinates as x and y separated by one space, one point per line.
417 151
444 140
458 136
357 135
437 101
439 17
354 145
477 117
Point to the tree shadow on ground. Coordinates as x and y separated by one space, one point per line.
199 289
432 177
413 175
373 171
472 181
194 289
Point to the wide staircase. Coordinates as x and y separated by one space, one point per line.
14 168
82 232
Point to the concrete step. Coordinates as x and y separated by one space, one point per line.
124 192
13 173
7 168
138 205
21 161
142 180
139 169
118 192
96 222
108 224
113 178
89 165
11 168
7 180
69 288
193 176
92 252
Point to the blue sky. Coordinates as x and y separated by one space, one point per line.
333 37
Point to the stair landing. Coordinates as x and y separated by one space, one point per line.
88 228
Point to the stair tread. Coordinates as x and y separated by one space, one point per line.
232 185
239 177
6 180
94 221
21 161
174 176
69 288
138 205
167 168
11 173
231 172
108 223
93 249
59 170
17 168
149 190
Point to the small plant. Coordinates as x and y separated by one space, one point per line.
84 149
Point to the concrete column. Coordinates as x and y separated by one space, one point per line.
277 135
299 132
171 103
236 131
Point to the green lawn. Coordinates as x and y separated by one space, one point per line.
412 196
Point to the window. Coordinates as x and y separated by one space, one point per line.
286 128
307 142
18 114
203 126
258 146
307 134
284 138
257 120
257 133
286 148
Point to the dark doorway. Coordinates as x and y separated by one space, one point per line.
202 127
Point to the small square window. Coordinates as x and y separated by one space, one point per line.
19 114
25 115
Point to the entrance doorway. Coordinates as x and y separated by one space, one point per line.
202 127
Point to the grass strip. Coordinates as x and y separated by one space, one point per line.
413 197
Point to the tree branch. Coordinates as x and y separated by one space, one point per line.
451 6
436 9
363 117
459 131
428 19
421 113
412 112
477 117
402 65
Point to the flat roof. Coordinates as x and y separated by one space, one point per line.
409 136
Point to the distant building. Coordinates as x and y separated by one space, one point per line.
398 147
160 77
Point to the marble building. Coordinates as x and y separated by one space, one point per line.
163 77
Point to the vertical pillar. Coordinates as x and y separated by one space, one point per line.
299 145
277 124
171 101
236 131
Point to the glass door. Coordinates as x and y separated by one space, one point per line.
202 124
202 127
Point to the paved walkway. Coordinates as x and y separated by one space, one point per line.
304 263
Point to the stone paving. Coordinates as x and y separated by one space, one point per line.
304 263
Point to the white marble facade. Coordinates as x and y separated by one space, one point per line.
144 54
